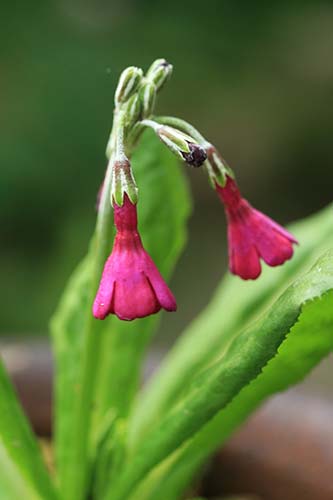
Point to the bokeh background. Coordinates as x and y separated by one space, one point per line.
255 77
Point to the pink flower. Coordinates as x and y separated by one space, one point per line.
131 286
252 235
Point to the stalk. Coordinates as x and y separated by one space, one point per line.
76 480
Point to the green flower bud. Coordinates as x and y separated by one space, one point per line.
155 65
159 73
128 83
133 110
184 146
174 139
147 96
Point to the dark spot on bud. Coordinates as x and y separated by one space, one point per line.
162 64
196 156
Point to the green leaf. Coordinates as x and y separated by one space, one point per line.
109 455
310 340
242 361
163 210
235 304
67 326
22 471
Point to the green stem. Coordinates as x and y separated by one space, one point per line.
151 124
76 480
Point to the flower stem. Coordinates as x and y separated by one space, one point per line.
77 476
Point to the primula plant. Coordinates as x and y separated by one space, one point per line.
264 329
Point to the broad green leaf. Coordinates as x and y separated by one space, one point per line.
242 361
163 211
309 341
235 304
23 474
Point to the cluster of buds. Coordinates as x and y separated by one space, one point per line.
131 286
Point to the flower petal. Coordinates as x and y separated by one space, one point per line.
273 243
276 226
243 256
104 298
162 291
135 298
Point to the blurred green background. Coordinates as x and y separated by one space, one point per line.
255 77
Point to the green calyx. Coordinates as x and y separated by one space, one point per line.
217 168
123 183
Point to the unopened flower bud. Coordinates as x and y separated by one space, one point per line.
123 182
147 95
182 145
133 110
159 73
128 83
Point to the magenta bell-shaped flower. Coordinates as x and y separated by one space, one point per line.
131 286
252 235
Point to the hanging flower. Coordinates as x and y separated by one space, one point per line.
252 235
131 286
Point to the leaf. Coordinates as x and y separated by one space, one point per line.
67 325
235 304
22 471
108 457
163 211
243 360
310 339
